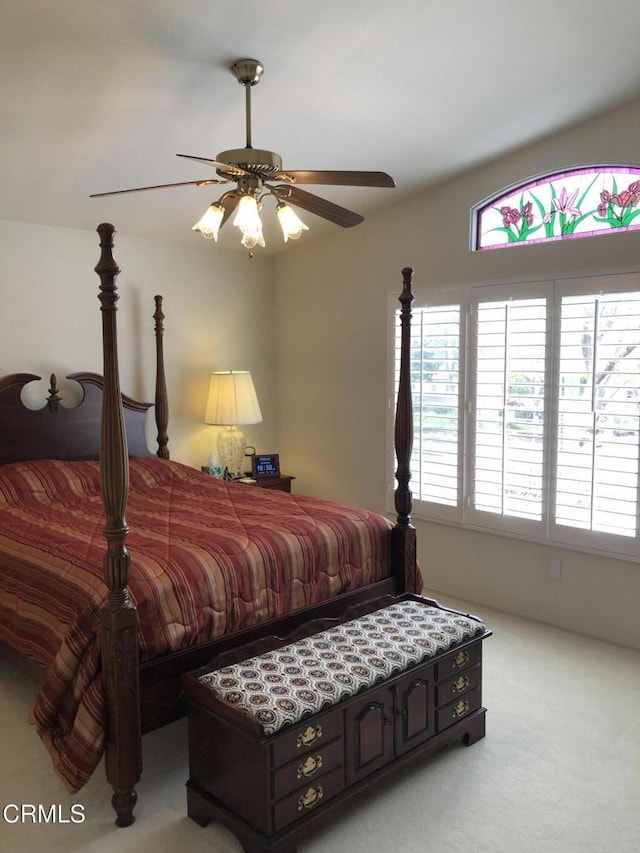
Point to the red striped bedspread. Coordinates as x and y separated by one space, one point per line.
207 558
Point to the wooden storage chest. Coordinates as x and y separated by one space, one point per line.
272 787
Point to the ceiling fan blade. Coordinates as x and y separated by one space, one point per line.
229 201
203 183
351 179
217 164
319 206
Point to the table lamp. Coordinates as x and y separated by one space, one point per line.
232 402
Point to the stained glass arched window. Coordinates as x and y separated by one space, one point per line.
577 202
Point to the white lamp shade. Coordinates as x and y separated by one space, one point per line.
232 399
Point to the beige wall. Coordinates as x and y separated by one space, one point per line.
332 297
50 321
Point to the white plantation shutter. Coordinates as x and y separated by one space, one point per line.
598 435
435 389
507 408
526 402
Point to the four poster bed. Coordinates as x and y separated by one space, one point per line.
114 632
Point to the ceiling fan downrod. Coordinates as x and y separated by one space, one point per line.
248 73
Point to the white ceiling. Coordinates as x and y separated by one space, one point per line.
100 95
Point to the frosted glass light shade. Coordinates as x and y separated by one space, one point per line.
232 400
209 225
291 224
247 219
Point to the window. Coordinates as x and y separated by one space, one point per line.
577 202
526 403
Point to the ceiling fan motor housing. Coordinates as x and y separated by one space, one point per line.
254 160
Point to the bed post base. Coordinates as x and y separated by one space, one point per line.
123 803
120 671
403 558
403 535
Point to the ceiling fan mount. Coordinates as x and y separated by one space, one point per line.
253 170
247 71
254 160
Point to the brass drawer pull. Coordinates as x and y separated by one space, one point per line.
460 659
309 736
311 798
309 767
460 709
461 683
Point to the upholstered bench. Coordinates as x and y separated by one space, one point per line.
277 738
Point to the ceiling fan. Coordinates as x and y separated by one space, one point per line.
254 172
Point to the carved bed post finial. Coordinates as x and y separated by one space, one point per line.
53 400
120 672
403 540
161 403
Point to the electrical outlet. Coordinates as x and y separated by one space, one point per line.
555 568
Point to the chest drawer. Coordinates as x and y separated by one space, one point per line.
308 798
458 710
469 679
310 735
456 661
307 768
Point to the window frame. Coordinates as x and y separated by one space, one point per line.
547 531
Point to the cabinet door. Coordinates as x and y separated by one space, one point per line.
415 709
369 733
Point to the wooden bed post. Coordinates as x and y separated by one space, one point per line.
403 535
161 405
123 750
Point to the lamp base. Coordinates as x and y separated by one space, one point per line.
232 444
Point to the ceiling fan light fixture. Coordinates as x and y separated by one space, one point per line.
247 219
291 224
209 224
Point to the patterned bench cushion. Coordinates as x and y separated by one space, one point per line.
284 686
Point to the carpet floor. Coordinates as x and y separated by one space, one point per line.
558 772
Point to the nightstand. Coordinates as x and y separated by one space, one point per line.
282 483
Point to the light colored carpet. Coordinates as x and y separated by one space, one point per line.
559 770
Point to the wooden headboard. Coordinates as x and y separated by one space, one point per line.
56 431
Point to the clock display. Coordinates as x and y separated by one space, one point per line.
266 465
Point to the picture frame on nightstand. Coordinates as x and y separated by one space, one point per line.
265 465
